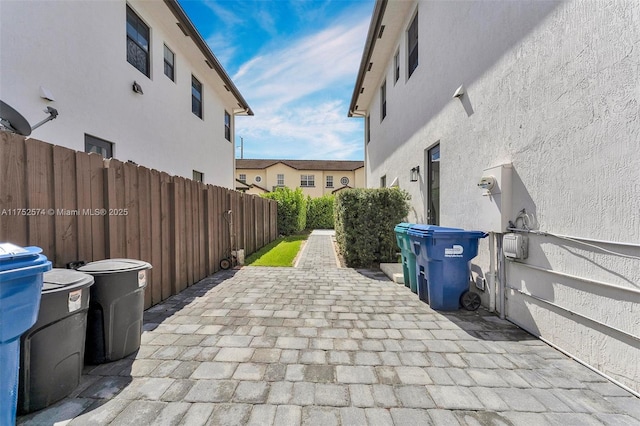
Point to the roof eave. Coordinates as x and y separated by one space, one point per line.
182 17
374 28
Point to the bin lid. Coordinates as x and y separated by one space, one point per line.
110 266
422 230
16 257
403 227
62 279
451 233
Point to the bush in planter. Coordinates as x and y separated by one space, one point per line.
364 222
320 212
292 210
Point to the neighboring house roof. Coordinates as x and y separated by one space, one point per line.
341 188
337 165
187 27
242 185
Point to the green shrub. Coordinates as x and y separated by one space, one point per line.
292 210
320 212
364 222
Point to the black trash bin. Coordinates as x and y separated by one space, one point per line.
52 350
114 323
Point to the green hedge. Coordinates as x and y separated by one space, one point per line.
320 212
364 222
292 210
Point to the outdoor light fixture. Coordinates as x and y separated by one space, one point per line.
413 175
137 88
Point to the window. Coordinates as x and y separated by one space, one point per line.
368 129
169 63
198 176
99 146
383 101
227 126
307 181
258 179
242 178
280 180
137 42
396 67
344 181
412 44
383 181
196 97
329 181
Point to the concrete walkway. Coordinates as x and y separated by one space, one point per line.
327 346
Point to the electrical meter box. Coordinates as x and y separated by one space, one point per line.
515 246
494 187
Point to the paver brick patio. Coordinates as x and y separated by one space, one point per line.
322 345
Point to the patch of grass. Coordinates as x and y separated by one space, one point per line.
280 252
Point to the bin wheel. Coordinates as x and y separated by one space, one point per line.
470 300
225 264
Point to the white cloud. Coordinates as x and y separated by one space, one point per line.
300 94
307 66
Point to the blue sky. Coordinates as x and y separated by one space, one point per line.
295 62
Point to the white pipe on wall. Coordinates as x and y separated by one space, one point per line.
492 272
502 279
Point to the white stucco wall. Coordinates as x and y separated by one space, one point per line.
77 50
552 88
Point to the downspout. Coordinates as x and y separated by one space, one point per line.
492 272
502 278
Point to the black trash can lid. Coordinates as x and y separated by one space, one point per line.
110 266
59 279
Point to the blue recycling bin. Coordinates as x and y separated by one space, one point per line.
418 235
448 253
408 258
21 271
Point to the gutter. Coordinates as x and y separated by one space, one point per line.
374 28
186 26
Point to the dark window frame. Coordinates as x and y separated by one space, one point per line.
227 126
196 101
169 67
383 100
105 145
383 181
412 46
368 129
198 176
137 34
396 67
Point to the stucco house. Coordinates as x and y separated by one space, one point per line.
130 79
315 177
520 119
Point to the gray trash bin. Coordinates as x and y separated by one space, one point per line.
114 323
52 351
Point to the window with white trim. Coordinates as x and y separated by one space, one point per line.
280 180
307 181
329 181
242 177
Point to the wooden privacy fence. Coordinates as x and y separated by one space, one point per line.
79 206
